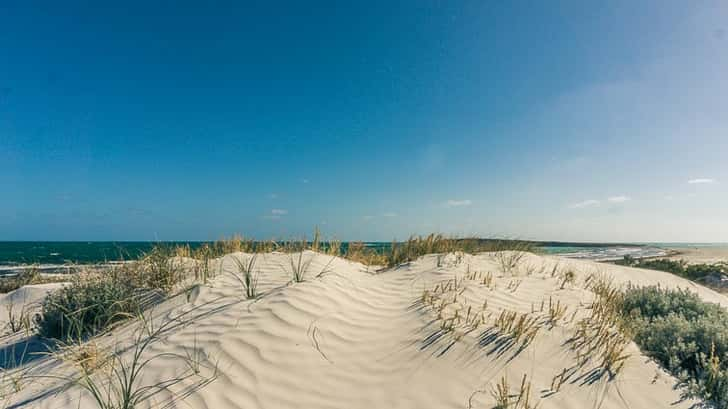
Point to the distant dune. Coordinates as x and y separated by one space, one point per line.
349 337
697 255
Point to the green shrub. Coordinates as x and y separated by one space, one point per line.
687 336
25 277
416 246
93 302
155 270
87 306
678 267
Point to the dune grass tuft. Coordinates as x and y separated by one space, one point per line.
27 276
120 384
686 335
87 306
299 266
505 399
247 276
18 319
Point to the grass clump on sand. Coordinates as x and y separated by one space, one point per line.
358 252
695 272
509 252
688 336
92 302
247 276
113 378
88 305
156 271
602 337
685 335
506 399
26 277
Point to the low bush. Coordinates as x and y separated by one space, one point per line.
687 336
156 270
681 268
25 277
87 306
509 252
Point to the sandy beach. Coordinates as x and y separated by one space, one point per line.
349 336
699 255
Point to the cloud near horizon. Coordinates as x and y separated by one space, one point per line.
458 203
701 181
279 212
585 203
619 199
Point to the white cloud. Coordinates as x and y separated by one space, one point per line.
304 180
458 203
619 199
390 214
701 181
279 212
585 203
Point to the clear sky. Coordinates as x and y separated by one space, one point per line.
545 120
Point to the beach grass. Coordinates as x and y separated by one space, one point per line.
247 276
120 384
28 276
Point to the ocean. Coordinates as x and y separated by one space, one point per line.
50 254
56 256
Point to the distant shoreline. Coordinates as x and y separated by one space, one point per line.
62 257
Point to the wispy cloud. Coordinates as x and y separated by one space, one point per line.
701 181
273 196
458 203
390 214
275 214
619 199
585 203
304 181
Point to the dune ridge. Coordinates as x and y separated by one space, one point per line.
351 337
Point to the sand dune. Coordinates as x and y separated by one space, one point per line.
349 337
697 255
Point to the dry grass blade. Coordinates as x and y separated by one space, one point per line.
18 320
120 384
603 336
299 266
247 275
521 399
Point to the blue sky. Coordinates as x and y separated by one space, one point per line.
178 121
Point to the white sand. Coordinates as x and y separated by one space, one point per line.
357 340
698 255
25 299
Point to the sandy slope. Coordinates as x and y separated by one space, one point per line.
27 298
697 255
351 338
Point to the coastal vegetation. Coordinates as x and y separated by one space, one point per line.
94 301
709 274
687 336
87 305
25 277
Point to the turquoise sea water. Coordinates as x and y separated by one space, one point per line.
14 253
63 252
